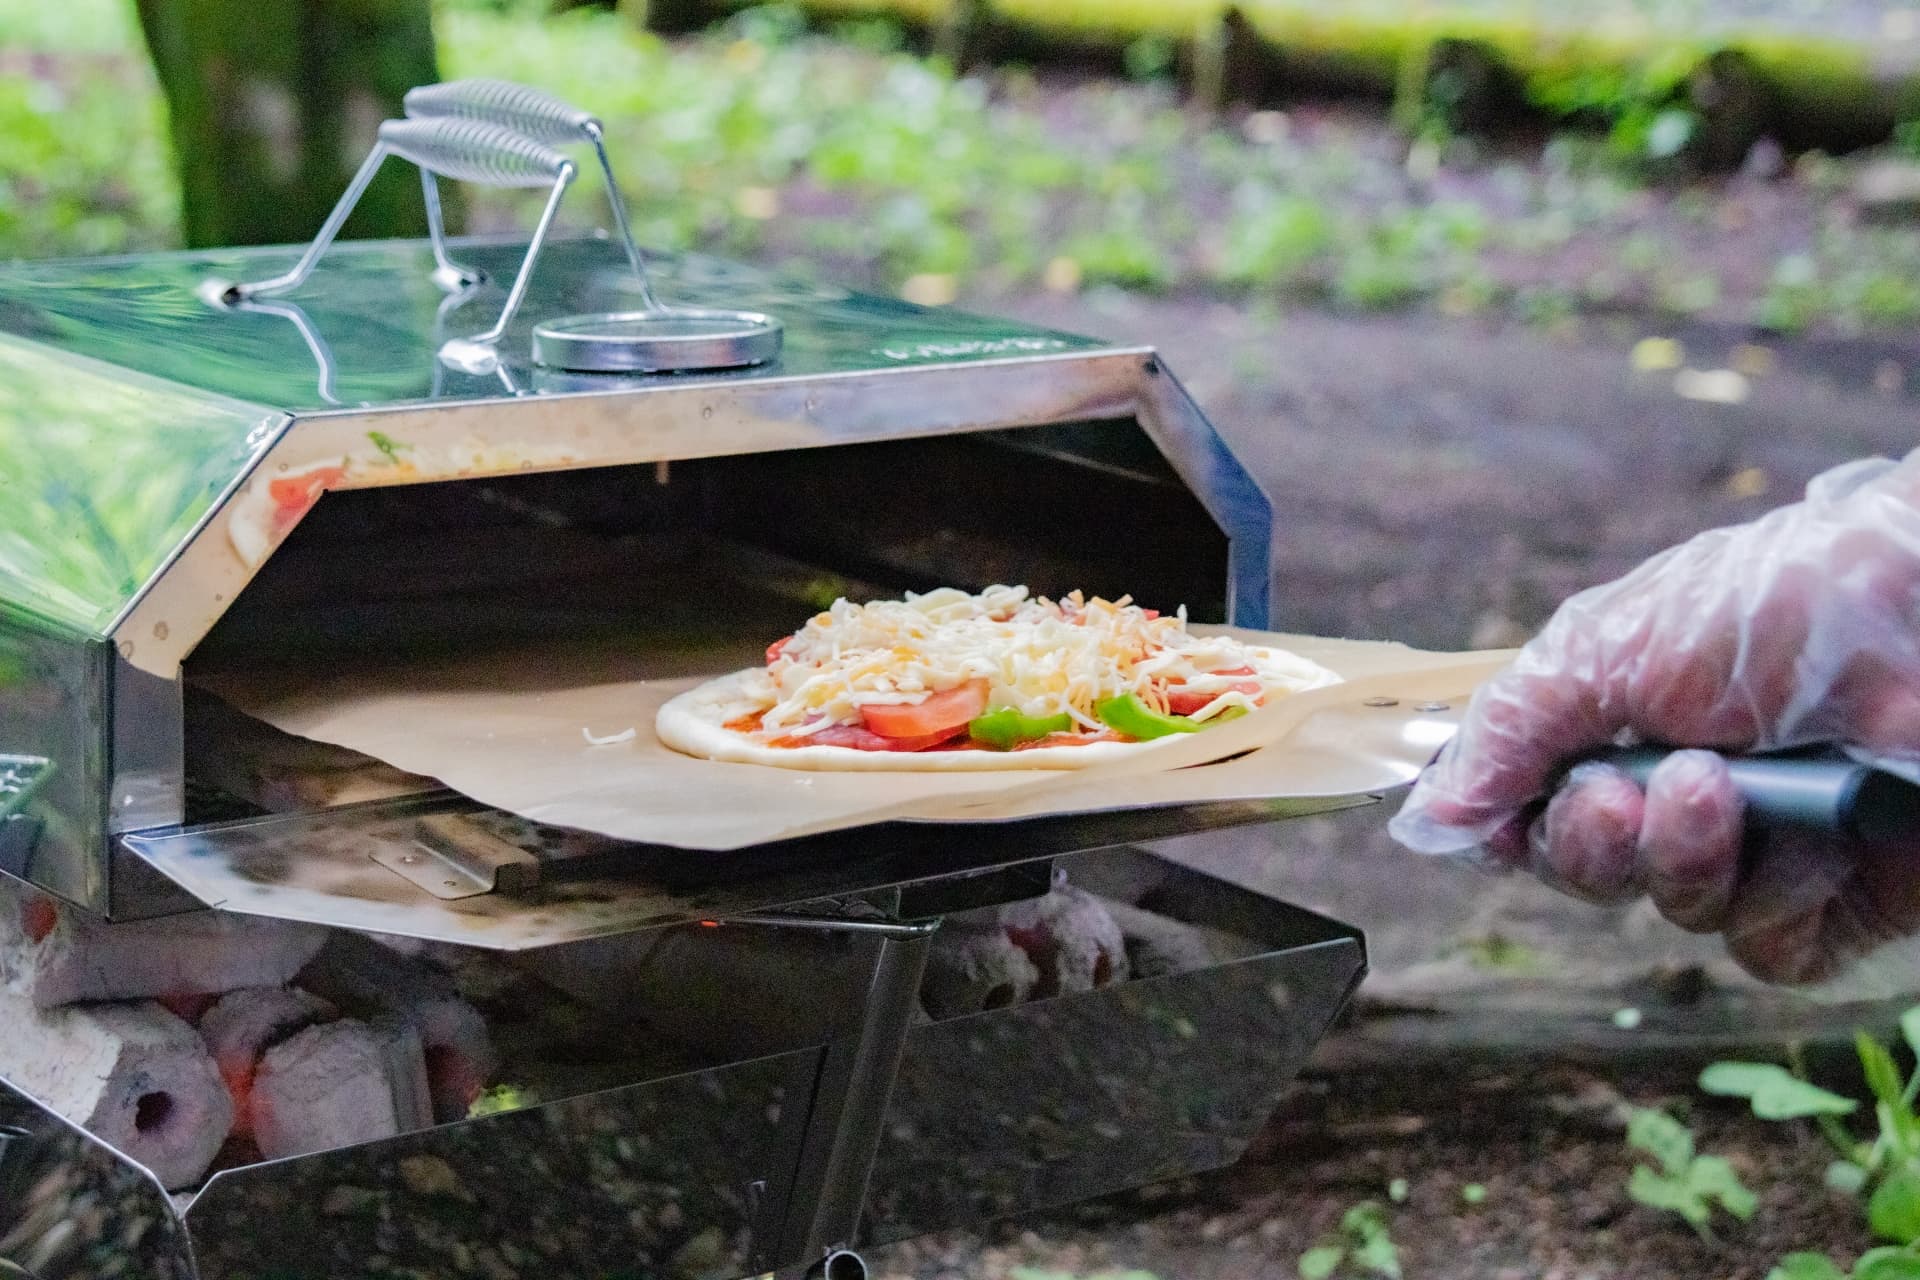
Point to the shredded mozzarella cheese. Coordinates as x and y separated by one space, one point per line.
1039 656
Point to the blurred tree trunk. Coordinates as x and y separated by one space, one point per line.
274 104
671 17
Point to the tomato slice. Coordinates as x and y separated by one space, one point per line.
939 714
856 738
778 647
297 493
1182 702
38 917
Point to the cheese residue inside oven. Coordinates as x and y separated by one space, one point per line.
1043 657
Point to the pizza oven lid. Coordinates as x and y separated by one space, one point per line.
139 405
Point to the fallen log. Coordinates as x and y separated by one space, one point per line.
133 1075
1814 89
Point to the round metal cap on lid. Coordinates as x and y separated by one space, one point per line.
670 340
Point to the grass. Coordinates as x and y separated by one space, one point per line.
761 140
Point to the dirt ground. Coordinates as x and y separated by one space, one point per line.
1447 484
1541 1139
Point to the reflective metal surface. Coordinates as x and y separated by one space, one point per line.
762 1163
73 1209
54 708
1078 1096
376 305
682 1179
317 867
102 475
660 341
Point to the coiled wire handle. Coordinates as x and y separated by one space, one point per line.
532 114
466 150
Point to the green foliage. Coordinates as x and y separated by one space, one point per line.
1875 1264
1362 1246
1274 238
501 1098
1641 101
1806 1266
1681 1181
1889 1164
1894 1209
764 137
1775 1092
84 165
1151 57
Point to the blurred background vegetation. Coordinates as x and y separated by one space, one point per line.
1642 159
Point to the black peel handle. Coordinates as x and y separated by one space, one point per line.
1820 790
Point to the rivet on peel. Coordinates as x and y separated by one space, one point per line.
1381 702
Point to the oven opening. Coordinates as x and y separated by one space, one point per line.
705 560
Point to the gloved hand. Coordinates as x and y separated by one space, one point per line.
1801 627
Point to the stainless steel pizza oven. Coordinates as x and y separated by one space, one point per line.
697 1064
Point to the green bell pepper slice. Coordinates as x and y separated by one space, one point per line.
1007 728
1127 714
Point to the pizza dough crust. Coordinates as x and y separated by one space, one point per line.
695 722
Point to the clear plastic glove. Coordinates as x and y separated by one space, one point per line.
1801 627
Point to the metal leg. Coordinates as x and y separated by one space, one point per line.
620 224
231 293
448 274
476 354
849 1110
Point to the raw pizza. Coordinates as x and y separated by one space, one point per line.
999 680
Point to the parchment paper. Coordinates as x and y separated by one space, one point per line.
510 731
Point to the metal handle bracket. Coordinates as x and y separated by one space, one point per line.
466 150
533 114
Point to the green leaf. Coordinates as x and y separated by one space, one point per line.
1910 1028
1321 1261
1398 1191
1775 1092
1894 1210
1883 1076
387 444
1659 1191
1846 1177
1660 1136
1887 1264
1807 1266
1474 1193
1363 1221
1712 1178
1378 1255
1897 1123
